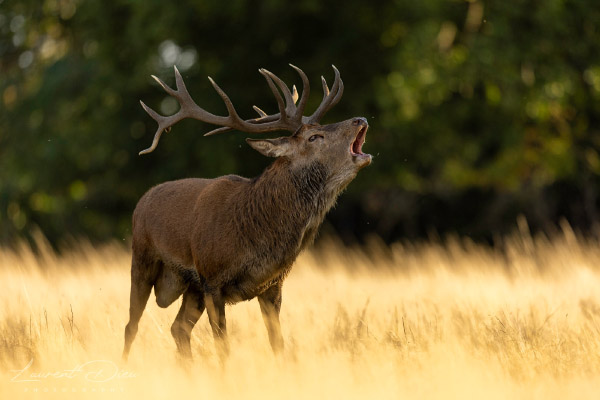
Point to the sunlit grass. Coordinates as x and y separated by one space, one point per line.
431 320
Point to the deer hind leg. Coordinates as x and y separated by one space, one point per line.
142 275
189 313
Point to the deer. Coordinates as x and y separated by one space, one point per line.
229 239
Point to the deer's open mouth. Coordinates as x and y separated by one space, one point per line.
356 146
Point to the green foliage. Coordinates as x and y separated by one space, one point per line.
499 97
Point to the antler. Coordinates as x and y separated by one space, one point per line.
330 99
289 117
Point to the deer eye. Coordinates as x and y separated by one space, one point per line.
314 137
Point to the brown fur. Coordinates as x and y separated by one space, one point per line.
229 239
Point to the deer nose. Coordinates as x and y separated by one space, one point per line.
359 121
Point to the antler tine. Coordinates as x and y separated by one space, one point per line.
165 86
158 118
260 112
228 104
325 87
218 130
338 95
305 93
330 98
280 103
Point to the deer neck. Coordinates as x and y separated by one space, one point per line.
284 203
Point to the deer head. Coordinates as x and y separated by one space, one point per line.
338 146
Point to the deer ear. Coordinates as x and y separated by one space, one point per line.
271 147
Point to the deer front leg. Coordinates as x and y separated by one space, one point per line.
189 313
270 304
215 307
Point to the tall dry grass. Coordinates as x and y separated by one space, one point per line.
452 320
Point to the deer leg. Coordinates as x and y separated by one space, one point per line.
270 304
140 291
215 307
189 313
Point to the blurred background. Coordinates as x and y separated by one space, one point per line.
480 111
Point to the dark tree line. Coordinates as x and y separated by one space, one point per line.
479 110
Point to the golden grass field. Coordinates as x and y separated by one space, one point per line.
430 320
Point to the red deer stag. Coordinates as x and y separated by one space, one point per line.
220 241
